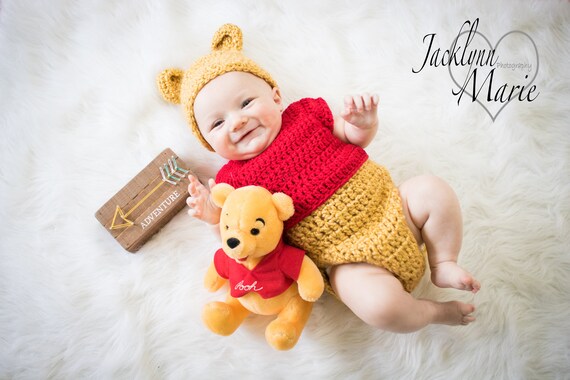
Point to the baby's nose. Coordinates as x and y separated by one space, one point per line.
238 122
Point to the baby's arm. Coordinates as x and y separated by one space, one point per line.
358 122
200 202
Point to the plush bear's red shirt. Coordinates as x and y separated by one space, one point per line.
271 277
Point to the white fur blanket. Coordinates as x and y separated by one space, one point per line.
80 115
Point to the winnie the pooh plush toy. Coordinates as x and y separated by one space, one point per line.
266 276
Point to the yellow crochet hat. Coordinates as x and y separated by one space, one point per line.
181 87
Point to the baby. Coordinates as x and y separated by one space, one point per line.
367 236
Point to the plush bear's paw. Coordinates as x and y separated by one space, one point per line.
282 335
220 318
311 296
313 292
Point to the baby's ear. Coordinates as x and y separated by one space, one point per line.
220 193
169 82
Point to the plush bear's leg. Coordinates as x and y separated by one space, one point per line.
284 332
224 318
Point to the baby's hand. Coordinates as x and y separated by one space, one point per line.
200 203
361 111
358 121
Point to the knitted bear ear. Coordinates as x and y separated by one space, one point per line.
169 82
228 37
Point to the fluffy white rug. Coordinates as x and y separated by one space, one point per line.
80 115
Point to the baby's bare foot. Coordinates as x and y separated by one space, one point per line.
450 275
455 313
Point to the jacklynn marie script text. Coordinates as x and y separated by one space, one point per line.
459 55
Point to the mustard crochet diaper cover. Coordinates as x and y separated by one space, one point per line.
362 222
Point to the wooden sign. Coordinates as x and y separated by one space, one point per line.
147 202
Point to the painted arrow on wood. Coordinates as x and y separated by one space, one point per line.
170 172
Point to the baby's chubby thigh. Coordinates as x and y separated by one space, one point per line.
429 200
411 225
416 194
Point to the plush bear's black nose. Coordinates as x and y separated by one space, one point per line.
232 242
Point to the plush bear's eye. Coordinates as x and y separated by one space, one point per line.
227 227
260 223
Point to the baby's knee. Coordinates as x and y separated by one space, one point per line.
424 194
437 188
428 184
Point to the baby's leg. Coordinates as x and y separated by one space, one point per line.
379 299
433 214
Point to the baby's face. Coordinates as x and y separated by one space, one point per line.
238 114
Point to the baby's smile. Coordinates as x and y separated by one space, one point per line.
245 135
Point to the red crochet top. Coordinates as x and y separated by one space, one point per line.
306 161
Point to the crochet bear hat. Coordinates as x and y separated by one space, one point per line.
181 87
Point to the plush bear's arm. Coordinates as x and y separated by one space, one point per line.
310 281
213 281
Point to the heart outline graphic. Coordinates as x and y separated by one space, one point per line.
494 49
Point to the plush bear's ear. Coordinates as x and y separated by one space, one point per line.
169 82
284 205
220 192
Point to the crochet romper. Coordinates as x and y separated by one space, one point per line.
347 209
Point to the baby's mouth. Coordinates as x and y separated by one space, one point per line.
245 135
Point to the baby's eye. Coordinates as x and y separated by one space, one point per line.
246 102
217 123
